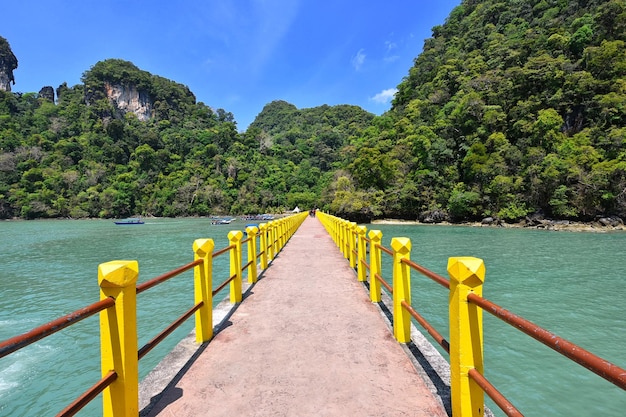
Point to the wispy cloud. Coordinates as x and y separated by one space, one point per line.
359 59
384 96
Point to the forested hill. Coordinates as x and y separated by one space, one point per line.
127 142
513 107
516 106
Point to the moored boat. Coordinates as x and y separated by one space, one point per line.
130 220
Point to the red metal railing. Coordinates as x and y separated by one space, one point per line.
15 343
348 235
599 366
275 236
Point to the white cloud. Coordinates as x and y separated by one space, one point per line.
358 59
390 46
384 96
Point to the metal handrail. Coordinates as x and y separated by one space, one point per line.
427 273
164 277
15 343
594 363
79 403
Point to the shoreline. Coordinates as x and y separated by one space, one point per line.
551 225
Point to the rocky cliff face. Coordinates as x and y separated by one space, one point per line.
8 62
126 98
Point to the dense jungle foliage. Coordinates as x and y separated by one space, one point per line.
513 107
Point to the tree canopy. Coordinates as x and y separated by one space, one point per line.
513 107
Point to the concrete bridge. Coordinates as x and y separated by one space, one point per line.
305 341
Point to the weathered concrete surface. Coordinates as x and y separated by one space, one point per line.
306 341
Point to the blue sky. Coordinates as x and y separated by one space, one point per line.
233 54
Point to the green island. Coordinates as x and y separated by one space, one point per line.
514 109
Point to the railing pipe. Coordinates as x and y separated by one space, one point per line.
143 351
164 277
118 338
429 328
595 364
497 397
466 336
427 273
18 342
88 395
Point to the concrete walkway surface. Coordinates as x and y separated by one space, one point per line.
306 341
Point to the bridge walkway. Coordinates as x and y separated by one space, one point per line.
306 341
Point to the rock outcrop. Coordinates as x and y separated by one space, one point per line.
126 98
47 93
8 62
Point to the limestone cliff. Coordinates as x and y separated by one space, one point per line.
126 98
8 62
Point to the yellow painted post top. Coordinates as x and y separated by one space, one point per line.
401 289
467 275
361 250
467 270
118 337
351 243
376 237
264 247
203 286
252 232
118 274
235 237
203 247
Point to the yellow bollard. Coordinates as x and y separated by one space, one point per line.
252 272
362 251
270 240
376 237
467 275
345 246
203 289
401 289
264 247
118 337
352 244
275 234
234 237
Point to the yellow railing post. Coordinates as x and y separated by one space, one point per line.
118 337
352 244
281 234
345 246
252 272
362 251
203 289
275 234
264 247
401 289
270 240
376 237
467 275
234 237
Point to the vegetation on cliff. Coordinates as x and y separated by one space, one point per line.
512 107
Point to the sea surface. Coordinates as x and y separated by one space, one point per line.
571 283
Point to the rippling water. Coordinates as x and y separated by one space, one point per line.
570 283
50 268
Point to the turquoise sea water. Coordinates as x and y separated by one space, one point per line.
570 283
